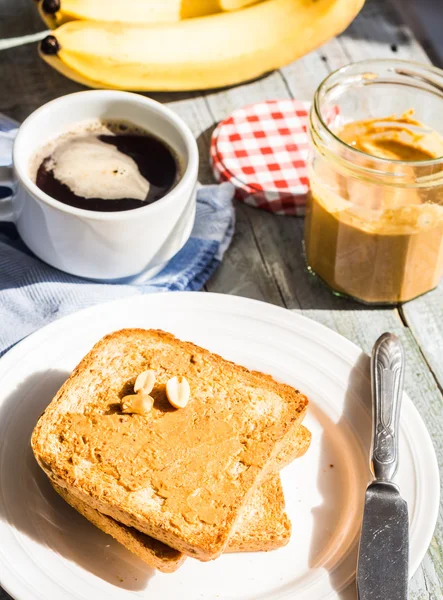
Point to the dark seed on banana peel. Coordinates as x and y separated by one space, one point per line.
50 7
49 45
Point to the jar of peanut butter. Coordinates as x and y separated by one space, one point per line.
374 222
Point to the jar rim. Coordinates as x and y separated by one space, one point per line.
382 62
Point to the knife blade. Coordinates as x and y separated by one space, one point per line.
382 568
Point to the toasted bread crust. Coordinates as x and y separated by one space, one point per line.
94 387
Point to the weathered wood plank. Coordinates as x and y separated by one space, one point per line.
425 318
378 32
425 19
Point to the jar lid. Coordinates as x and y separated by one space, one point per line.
263 149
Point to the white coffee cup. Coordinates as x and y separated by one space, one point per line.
101 245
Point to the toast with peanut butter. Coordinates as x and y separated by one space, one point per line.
263 524
179 475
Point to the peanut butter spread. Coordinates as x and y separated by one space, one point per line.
395 138
188 461
139 454
377 242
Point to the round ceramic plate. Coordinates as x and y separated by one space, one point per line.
47 550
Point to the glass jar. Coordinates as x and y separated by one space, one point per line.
374 223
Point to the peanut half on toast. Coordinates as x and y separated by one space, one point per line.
181 476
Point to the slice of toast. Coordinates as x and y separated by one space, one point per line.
262 525
181 476
296 445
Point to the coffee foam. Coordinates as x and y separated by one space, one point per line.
87 165
93 169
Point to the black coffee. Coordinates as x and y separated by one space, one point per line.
107 167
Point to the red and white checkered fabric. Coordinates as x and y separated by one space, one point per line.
262 149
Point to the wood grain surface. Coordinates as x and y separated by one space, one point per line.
265 260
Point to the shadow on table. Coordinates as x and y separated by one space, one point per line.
378 21
278 266
358 385
18 18
31 506
205 175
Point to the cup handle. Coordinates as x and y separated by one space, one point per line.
8 131
6 180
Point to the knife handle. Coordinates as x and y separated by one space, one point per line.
387 373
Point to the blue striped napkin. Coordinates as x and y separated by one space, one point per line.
33 294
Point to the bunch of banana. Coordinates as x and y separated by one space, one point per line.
57 12
220 49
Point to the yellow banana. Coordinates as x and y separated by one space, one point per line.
235 4
206 52
57 12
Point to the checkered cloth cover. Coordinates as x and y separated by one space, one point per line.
262 149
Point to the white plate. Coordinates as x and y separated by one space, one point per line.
49 552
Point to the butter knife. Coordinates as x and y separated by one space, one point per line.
382 569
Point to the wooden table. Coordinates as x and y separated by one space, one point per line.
265 260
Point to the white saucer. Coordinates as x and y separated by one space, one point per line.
49 552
